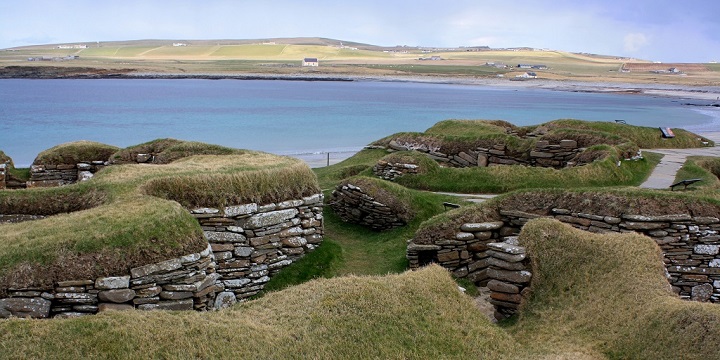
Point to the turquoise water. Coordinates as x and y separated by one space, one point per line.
290 117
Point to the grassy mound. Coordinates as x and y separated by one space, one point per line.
419 315
609 293
120 220
645 137
75 152
168 150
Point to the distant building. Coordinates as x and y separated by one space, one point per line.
527 75
540 67
524 66
72 46
313 62
179 44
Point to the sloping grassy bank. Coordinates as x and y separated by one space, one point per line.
116 223
415 315
608 292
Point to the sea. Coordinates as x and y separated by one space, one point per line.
297 118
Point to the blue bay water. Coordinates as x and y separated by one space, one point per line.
290 117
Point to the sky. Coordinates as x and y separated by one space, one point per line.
657 30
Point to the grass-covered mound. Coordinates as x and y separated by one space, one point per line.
415 315
168 150
608 293
122 225
643 136
75 152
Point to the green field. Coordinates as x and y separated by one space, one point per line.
161 56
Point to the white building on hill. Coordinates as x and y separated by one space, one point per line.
310 62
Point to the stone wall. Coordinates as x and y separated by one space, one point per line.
484 252
63 174
391 171
184 283
3 172
253 242
354 205
247 244
544 154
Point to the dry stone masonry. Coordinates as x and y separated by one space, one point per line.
184 283
62 174
247 244
353 205
488 253
544 154
253 242
391 171
3 171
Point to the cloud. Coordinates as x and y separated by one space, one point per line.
634 42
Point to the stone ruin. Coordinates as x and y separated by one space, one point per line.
544 154
488 253
247 245
352 204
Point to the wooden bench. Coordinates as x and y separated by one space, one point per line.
685 183
450 205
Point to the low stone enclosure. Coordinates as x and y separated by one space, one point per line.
544 154
240 246
247 245
488 254
365 202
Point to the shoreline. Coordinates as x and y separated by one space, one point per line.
705 93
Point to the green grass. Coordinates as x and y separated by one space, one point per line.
700 167
330 176
469 127
324 262
643 136
249 50
431 69
168 150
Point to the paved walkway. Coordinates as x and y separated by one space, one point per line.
664 174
